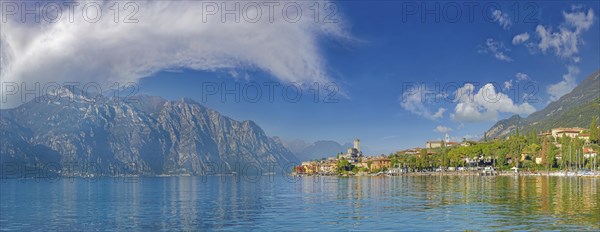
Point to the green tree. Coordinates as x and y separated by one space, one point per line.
532 137
594 131
532 149
514 150
412 162
544 152
528 164
500 158
422 159
394 161
343 165
564 152
578 158
444 160
457 156
551 156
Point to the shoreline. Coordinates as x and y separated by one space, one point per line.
465 173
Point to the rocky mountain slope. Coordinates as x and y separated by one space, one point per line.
147 135
574 109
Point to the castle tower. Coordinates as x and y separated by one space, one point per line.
357 145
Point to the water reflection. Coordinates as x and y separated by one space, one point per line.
362 203
471 202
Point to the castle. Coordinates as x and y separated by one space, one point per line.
354 153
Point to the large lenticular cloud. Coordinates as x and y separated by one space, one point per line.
168 34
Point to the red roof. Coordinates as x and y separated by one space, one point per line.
572 130
568 131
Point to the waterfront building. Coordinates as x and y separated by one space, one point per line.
300 169
328 167
588 152
380 163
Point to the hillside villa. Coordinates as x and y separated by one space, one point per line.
573 132
447 143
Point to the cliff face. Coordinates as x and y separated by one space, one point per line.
574 109
147 134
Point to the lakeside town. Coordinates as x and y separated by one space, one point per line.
559 151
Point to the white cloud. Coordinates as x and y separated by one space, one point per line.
508 84
502 19
442 129
485 104
521 76
495 48
520 38
580 20
439 113
565 86
169 35
565 41
416 100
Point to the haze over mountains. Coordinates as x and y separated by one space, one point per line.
321 148
574 109
151 135
317 150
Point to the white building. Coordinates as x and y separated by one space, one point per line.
569 132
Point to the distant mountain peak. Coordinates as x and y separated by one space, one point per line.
71 92
515 117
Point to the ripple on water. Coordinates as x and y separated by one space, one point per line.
395 203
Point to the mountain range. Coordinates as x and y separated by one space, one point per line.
146 134
150 135
316 150
575 109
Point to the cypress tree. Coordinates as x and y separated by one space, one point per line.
594 131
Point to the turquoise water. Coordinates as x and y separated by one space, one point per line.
310 203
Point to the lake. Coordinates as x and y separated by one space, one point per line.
309 203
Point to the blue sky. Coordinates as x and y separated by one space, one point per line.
388 55
391 54
372 51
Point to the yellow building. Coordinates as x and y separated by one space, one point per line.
328 167
381 163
